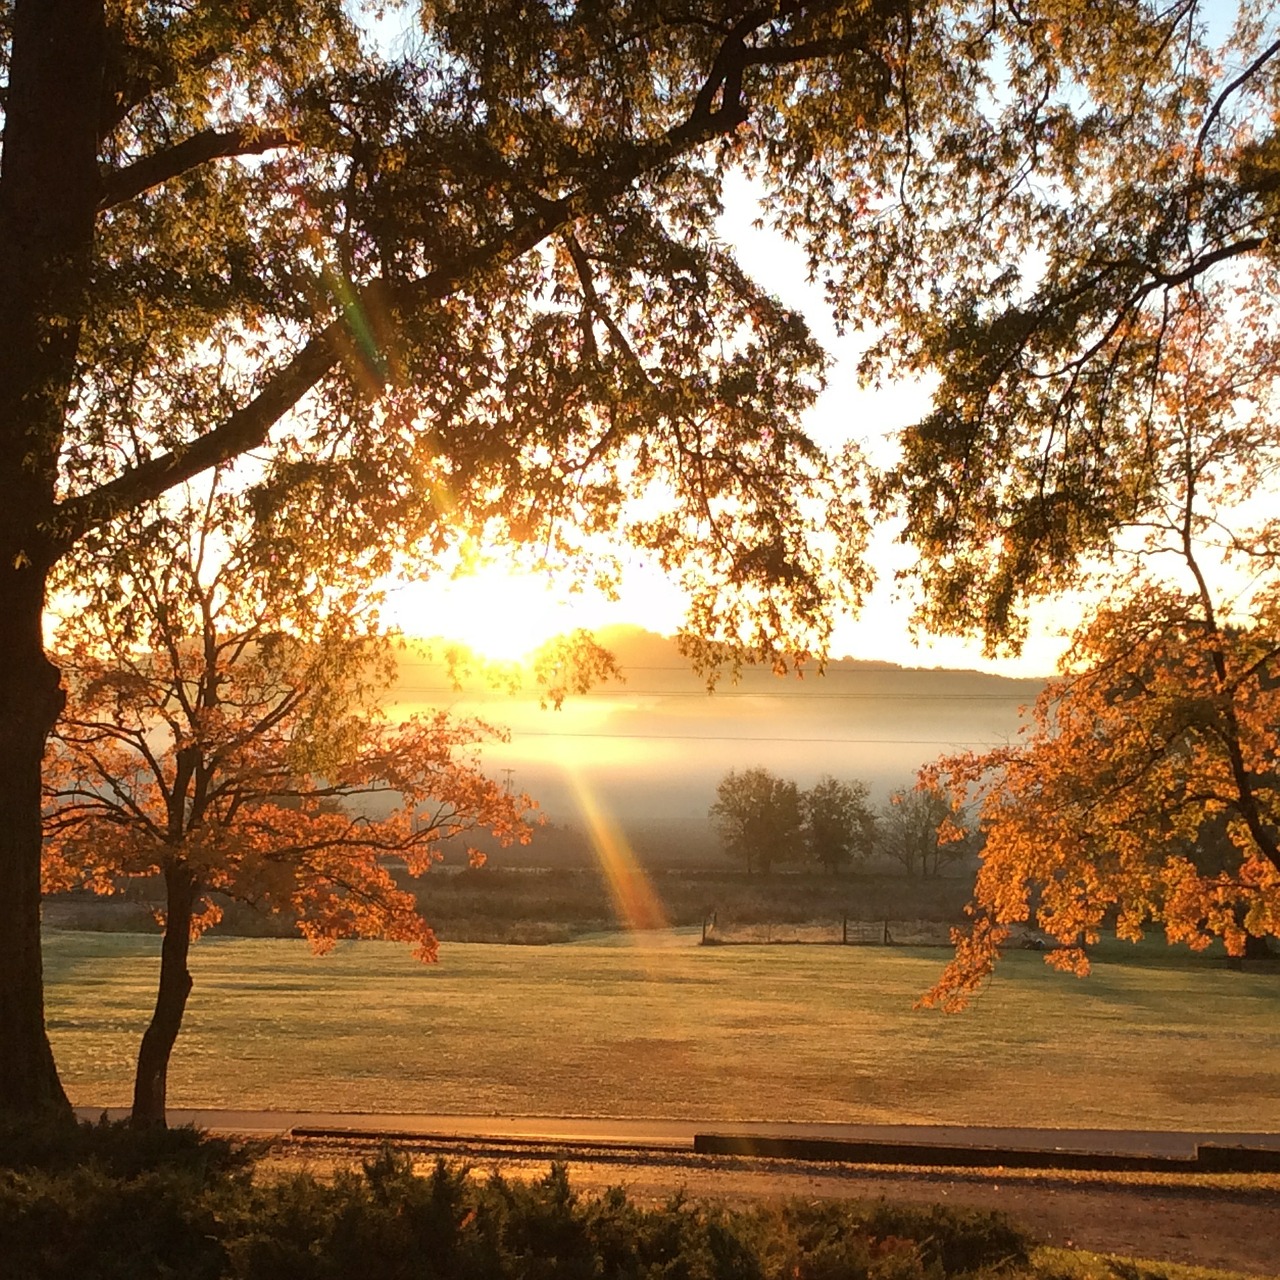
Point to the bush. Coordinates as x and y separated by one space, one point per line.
118 1149
960 1241
85 1224
188 1217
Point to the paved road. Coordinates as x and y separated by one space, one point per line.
679 1133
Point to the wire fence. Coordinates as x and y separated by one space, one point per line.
845 931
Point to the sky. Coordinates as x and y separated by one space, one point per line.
479 610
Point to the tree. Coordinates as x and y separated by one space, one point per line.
839 825
923 831
757 815
1110 812
1145 790
472 287
208 744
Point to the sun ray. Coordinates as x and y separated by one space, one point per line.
634 898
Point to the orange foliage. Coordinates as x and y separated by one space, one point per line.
131 789
203 733
1145 791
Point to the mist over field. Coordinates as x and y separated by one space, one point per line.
650 749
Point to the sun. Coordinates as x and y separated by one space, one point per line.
504 615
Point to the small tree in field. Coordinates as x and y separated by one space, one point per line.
211 743
839 824
757 815
923 831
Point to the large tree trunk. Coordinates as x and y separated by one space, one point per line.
30 700
48 195
151 1082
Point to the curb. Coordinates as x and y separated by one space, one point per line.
1208 1158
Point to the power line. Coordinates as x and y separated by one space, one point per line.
730 737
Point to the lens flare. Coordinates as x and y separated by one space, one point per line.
357 337
633 896
364 352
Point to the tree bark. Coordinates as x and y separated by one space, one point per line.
30 700
48 192
151 1082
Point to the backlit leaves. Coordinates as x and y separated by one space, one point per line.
1146 792
466 283
1146 789
1121 162
215 727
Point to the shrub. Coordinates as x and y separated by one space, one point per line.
187 1216
86 1224
118 1148
958 1240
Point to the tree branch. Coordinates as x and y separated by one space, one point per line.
1255 66
122 185
247 427
1198 266
243 430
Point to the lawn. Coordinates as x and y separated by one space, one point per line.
666 1028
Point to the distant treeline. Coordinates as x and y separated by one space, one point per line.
764 820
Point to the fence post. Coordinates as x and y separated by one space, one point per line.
888 941
844 931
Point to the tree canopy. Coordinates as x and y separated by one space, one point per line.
839 824
1127 161
923 831
470 285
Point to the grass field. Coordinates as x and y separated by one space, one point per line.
665 1028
